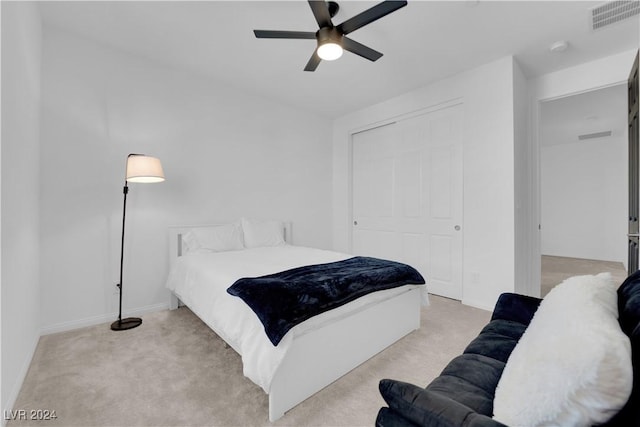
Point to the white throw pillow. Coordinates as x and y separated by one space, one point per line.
258 233
572 366
221 238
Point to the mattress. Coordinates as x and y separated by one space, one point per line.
200 281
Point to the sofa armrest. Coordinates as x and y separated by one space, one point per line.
515 307
426 408
387 417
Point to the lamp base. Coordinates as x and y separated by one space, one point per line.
124 324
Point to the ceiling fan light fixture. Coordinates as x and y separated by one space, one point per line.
330 51
329 43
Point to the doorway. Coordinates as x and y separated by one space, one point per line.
583 184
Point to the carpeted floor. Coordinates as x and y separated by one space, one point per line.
555 269
174 371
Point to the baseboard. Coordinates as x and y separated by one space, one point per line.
476 304
17 386
96 320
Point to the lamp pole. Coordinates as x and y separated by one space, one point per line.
125 190
130 322
143 169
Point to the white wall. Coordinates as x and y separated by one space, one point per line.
21 56
584 205
487 93
225 154
525 229
604 72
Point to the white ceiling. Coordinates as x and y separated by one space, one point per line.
422 42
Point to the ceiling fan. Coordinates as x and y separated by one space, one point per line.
332 39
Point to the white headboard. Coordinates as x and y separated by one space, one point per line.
176 232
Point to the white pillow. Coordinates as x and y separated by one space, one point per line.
258 233
220 238
572 366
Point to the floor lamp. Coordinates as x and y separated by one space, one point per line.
143 169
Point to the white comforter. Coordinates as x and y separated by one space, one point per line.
200 280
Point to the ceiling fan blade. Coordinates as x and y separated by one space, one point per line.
313 63
360 49
269 34
320 11
370 15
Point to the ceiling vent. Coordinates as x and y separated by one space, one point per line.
612 12
594 135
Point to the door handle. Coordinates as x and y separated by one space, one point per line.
457 228
355 222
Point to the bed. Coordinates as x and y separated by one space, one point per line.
312 354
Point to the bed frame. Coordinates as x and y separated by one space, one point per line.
322 355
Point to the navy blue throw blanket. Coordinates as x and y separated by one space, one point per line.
282 300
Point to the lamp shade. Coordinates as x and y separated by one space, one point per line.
146 169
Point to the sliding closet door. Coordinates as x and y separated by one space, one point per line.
375 193
407 196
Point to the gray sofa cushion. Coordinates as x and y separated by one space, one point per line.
471 379
497 339
425 408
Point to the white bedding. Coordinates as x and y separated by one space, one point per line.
200 280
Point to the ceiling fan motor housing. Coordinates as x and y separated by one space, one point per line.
328 35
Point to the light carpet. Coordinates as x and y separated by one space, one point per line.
556 269
174 371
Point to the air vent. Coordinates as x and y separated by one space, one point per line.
612 12
594 135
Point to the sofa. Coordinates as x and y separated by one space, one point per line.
463 394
